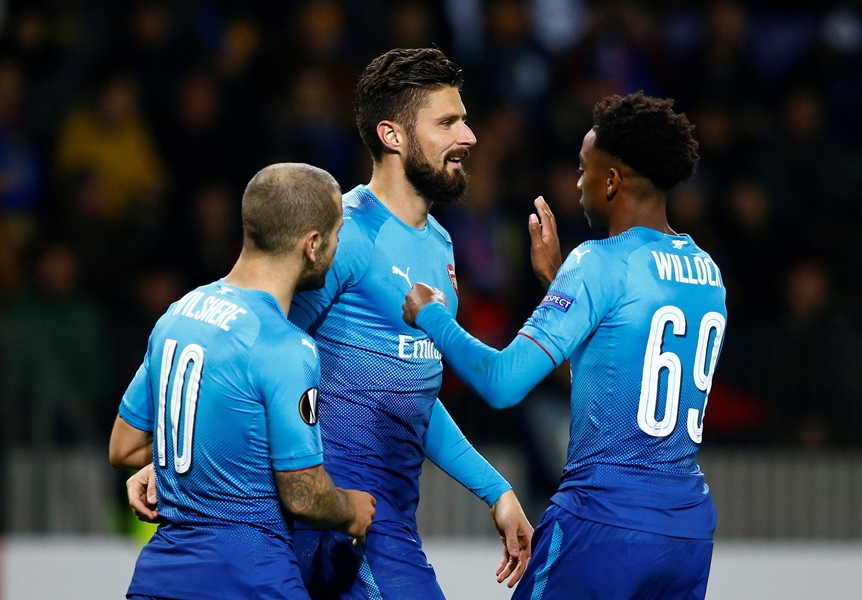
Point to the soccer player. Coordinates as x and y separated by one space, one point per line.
228 393
641 317
380 416
379 413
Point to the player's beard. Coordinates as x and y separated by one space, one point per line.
435 185
314 276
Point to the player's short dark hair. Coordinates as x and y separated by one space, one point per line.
648 136
394 86
284 201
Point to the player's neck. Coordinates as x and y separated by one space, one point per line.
648 210
390 186
276 277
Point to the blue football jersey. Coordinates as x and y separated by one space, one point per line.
641 316
381 376
229 389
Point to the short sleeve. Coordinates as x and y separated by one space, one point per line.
288 381
137 407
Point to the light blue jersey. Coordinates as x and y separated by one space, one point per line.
381 376
641 317
379 413
229 389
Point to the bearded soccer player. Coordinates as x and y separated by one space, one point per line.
380 416
225 406
641 317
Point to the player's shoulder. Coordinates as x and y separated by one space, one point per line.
685 242
596 255
621 246
437 228
299 343
361 209
608 259
633 239
358 202
363 215
283 360
213 303
680 244
280 339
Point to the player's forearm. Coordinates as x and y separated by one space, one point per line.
447 448
129 448
501 378
312 498
133 460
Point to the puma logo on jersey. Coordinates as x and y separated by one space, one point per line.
678 244
579 255
400 273
305 342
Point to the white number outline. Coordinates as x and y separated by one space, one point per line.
712 321
181 404
655 361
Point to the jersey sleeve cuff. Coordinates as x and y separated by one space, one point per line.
297 463
129 417
431 313
496 490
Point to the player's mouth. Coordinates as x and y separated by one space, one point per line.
456 159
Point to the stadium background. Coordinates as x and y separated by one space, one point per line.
128 130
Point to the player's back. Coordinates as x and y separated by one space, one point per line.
640 382
209 390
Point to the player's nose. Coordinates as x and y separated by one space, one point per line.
467 138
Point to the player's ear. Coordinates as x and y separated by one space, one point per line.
391 135
613 181
311 245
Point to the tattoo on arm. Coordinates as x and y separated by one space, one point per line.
311 497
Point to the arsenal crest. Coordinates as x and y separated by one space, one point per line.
451 269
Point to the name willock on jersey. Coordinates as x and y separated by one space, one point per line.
408 347
673 267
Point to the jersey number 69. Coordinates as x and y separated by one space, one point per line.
655 360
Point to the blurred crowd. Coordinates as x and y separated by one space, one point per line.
129 129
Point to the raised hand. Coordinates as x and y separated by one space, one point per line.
544 242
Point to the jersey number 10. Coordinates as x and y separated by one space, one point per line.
182 404
655 361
